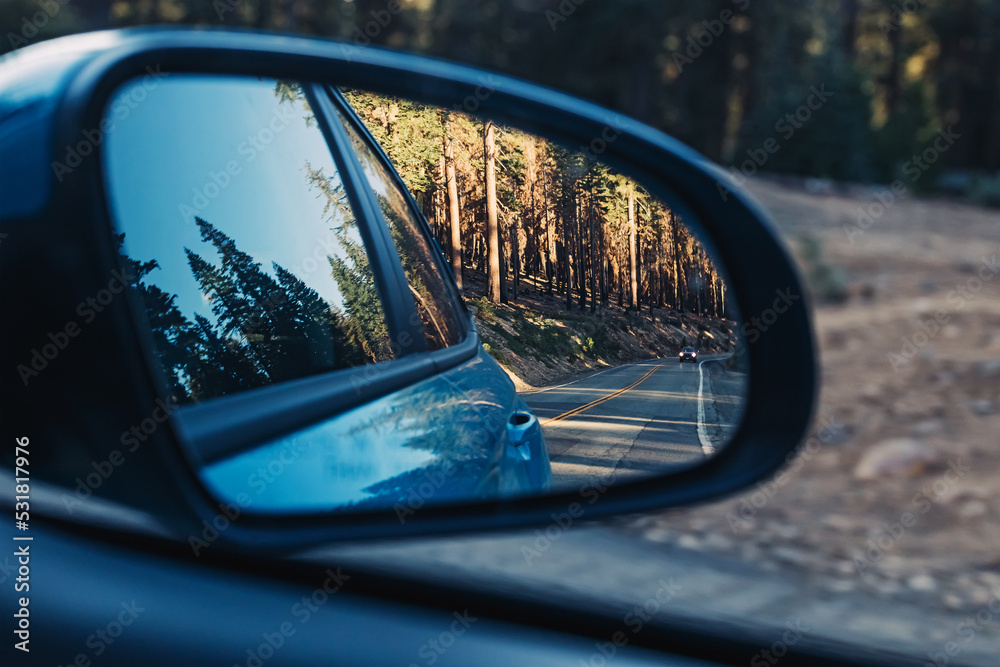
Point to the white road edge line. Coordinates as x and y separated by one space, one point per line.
706 445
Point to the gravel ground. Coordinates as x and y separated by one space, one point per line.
898 497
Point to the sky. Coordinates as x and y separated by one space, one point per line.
166 160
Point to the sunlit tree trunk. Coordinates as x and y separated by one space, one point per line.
531 254
633 268
567 225
550 234
492 228
581 261
456 223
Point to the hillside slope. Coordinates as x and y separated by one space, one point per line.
539 342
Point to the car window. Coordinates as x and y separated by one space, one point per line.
428 285
235 229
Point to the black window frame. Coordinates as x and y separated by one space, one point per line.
222 427
347 111
398 306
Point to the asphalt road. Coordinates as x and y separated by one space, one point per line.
629 421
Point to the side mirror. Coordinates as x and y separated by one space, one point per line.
291 313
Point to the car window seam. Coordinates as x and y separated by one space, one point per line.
401 313
348 112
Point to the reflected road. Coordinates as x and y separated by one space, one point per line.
626 422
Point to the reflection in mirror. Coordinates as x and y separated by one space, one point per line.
259 262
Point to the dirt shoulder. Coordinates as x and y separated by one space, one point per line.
899 494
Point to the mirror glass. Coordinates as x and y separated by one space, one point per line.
278 234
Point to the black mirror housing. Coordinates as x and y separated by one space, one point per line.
58 252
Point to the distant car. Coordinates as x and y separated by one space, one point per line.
688 354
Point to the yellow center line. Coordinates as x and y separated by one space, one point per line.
598 401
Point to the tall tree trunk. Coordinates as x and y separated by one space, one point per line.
603 256
723 312
456 223
550 234
567 245
621 287
515 252
504 264
659 266
531 226
581 261
633 268
594 260
678 288
492 228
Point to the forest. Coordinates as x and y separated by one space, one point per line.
527 213
718 75
263 328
